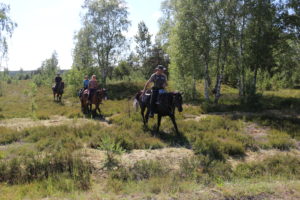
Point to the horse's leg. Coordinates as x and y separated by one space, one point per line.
172 116
158 122
98 108
147 115
142 113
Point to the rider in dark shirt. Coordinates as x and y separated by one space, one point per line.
160 82
58 80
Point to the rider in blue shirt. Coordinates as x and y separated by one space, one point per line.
86 82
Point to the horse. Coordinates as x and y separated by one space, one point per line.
166 107
96 99
58 91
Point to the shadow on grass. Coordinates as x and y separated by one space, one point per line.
173 139
289 125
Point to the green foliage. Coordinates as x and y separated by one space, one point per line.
7 28
249 44
74 79
111 148
46 73
97 21
121 90
122 70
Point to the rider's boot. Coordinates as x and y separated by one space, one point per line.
151 114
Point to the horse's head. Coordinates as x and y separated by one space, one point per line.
178 101
102 93
105 96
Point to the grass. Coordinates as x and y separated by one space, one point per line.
31 158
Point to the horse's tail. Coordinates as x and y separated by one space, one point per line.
136 104
136 101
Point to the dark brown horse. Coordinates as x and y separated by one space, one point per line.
96 99
166 107
58 91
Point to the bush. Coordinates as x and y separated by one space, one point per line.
37 167
204 170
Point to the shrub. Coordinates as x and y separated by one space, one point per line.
37 167
204 170
210 147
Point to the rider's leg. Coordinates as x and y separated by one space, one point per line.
153 102
91 94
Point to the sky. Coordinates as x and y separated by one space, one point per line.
45 26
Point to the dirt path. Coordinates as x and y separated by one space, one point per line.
23 123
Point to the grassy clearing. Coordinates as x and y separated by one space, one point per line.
32 157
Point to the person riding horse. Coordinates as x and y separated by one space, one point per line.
58 81
160 82
58 88
92 87
86 82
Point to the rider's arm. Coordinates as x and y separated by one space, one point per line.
146 85
166 83
151 79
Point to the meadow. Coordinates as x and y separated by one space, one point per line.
50 150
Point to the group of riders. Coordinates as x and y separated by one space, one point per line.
159 80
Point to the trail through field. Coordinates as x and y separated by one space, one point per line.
23 123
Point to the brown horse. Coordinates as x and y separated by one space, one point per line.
96 99
58 91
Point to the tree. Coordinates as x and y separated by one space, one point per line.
46 73
122 70
143 47
190 46
7 27
106 22
82 54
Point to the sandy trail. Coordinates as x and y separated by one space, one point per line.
23 123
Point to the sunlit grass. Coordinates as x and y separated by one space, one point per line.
213 139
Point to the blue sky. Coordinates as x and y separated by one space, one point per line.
48 25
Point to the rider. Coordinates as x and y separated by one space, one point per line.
58 81
93 86
160 82
86 82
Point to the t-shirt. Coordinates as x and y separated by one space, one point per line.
58 79
93 84
86 83
158 80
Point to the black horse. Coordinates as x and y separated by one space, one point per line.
58 91
166 106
